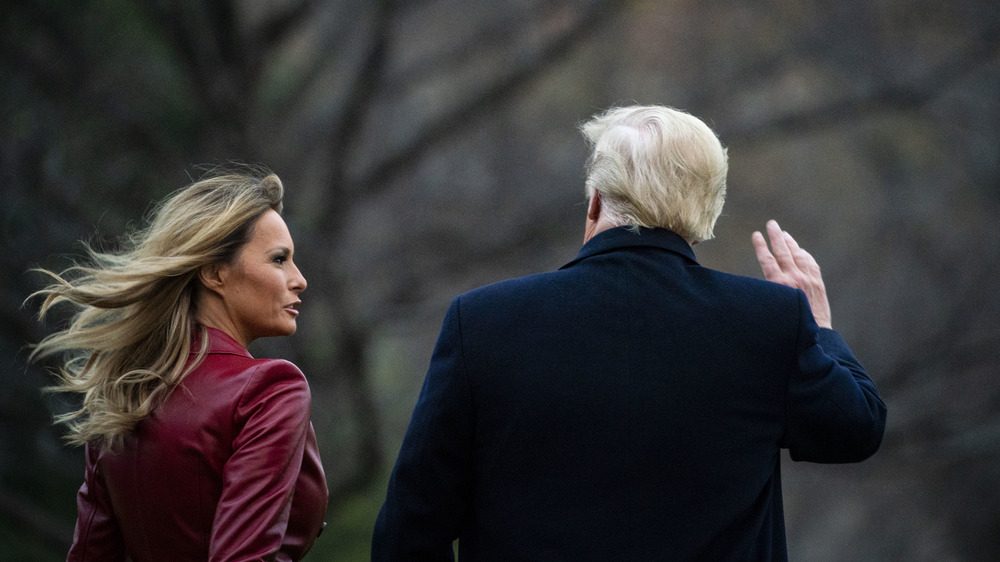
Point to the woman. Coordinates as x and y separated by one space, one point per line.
194 449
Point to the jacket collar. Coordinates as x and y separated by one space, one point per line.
625 237
218 342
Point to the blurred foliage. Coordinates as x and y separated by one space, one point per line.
429 147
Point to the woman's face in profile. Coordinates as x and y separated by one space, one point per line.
263 283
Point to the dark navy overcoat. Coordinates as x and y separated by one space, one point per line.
630 406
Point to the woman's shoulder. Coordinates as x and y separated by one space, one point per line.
276 369
272 377
273 388
242 372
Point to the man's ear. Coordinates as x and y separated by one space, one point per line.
211 277
594 206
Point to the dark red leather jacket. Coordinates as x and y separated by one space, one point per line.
226 468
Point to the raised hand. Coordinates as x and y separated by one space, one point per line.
786 263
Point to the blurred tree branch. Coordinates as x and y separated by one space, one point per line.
979 50
523 71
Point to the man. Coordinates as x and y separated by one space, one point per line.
633 404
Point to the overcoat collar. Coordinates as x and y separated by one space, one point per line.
624 237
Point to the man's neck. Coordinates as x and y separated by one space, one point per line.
593 228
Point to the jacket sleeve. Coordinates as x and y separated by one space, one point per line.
96 536
834 411
258 480
429 490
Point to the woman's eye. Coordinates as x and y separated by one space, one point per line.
280 259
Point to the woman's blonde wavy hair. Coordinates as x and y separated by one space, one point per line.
656 166
127 344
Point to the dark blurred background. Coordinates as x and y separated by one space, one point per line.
430 146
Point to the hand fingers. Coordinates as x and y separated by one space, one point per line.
794 249
779 246
803 259
768 265
785 262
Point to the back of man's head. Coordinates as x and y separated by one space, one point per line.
656 166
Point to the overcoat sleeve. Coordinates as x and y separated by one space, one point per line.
429 491
834 411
